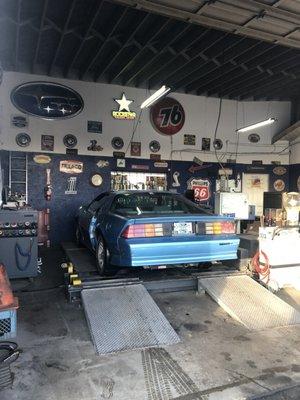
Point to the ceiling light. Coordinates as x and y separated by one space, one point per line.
155 96
257 125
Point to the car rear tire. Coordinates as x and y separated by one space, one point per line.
103 266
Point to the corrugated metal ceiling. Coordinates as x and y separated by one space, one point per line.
241 49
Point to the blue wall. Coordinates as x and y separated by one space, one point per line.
294 174
63 207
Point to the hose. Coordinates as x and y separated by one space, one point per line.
262 269
27 255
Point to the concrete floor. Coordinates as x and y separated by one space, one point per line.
216 359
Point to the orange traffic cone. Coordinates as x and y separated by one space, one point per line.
6 296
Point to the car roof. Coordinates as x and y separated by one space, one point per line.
143 192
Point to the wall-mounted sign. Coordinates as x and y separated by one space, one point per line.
135 149
254 138
94 126
41 159
279 170
124 110
154 146
72 152
279 185
176 182
23 139
155 157
141 167
70 141
121 162
47 100
161 164
205 144
19 121
71 167
189 140
102 163
201 188
217 144
96 180
117 143
195 168
94 146
47 142
118 154
71 186
167 116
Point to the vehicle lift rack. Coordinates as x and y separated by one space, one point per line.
81 273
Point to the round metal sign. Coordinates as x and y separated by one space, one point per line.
23 139
47 100
218 144
70 141
154 146
117 143
254 138
167 116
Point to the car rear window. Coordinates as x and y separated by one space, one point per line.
153 203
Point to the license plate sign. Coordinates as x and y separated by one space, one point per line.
182 228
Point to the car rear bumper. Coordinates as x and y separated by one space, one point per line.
166 251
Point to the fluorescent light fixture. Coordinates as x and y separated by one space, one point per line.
155 96
268 121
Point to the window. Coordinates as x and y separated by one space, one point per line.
97 202
153 203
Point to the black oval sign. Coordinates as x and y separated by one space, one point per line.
47 100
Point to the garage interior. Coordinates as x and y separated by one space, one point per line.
149 199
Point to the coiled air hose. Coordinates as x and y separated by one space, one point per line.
263 269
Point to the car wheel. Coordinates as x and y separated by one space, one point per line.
101 256
103 266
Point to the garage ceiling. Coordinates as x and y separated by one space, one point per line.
233 49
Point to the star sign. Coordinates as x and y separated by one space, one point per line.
124 103
48 109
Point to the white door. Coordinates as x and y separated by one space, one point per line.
254 186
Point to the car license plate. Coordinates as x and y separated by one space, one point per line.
182 228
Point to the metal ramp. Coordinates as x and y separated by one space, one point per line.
125 318
250 303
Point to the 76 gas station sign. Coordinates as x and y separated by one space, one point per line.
167 116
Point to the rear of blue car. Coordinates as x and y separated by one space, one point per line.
176 239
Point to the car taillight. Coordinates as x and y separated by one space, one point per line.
217 228
143 230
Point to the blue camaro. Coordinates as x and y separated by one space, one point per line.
138 228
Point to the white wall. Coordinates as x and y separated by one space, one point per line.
201 116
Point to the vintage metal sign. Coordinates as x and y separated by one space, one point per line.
47 100
135 149
71 167
41 159
124 110
94 126
161 164
189 140
167 116
201 188
279 185
280 170
47 142
19 121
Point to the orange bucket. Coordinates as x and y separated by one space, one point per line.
7 299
